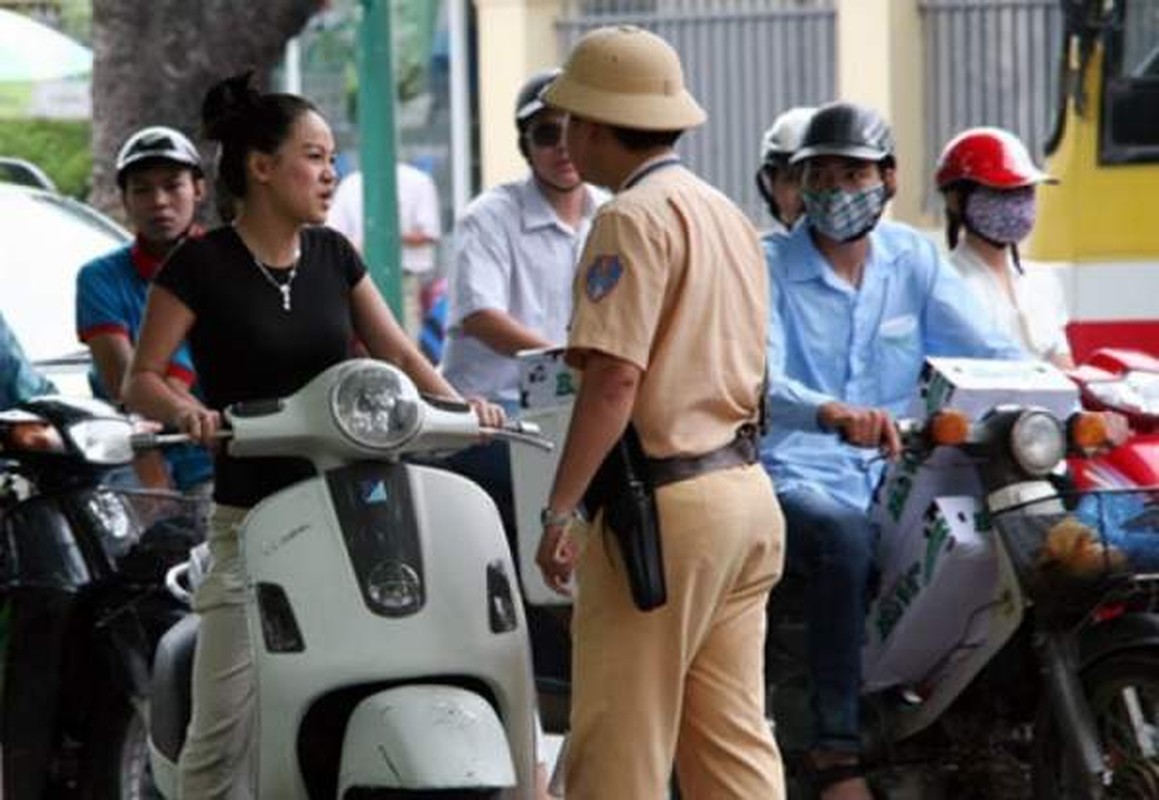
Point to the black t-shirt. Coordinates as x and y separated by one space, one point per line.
246 346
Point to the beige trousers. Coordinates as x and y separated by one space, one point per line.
682 684
218 760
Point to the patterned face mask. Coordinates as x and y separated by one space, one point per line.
1003 216
842 215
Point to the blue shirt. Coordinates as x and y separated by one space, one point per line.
18 380
830 341
110 298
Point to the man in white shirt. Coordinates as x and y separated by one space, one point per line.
515 252
418 223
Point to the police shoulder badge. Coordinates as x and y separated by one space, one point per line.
602 276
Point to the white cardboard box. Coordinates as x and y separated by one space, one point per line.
975 386
547 390
545 379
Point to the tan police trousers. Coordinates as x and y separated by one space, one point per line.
682 684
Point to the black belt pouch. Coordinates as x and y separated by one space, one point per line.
623 489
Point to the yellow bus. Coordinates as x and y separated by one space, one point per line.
1100 225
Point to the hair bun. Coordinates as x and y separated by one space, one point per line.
227 103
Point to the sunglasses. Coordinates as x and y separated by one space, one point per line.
545 134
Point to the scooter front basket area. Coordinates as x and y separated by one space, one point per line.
1068 560
65 540
170 524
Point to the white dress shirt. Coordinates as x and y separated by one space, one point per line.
418 211
512 254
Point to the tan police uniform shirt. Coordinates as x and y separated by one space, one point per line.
672 279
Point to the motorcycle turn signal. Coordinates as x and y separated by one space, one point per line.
1086 431
949 427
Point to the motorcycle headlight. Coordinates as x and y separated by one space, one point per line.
375 406
1037 442
103 441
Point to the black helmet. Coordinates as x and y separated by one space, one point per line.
530 99
846 129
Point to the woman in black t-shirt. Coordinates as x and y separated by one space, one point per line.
266 303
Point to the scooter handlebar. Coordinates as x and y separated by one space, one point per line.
527 433
151 441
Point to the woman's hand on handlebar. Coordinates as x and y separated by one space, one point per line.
201 424
862 427
489 414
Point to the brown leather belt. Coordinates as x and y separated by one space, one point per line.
741 451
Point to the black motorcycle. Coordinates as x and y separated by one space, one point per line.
82 600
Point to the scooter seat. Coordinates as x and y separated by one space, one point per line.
170 703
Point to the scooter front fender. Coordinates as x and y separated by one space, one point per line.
432 737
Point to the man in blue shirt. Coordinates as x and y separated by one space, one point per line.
159 174
19 381
856 305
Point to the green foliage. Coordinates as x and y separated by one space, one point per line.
62 148
76 19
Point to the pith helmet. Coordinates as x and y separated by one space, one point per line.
628 77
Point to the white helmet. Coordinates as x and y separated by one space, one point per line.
157 143
783 137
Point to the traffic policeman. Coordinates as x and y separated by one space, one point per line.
669 314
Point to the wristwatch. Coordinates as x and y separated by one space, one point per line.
550 518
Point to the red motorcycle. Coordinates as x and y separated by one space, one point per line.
1125 381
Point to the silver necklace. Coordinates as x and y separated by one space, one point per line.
285 288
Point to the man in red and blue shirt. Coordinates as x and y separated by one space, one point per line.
161 181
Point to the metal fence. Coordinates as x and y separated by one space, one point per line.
744 60
989 62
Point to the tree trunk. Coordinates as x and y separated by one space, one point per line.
153 61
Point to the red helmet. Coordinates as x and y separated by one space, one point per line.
991 157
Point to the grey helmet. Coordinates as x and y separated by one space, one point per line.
783 137
156 143
847 129
778 144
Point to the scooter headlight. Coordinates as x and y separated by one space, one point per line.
1037 442
375 406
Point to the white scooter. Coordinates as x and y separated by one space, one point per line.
390 645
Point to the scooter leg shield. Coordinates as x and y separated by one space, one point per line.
425 737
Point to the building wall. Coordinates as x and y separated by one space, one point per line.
932 67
